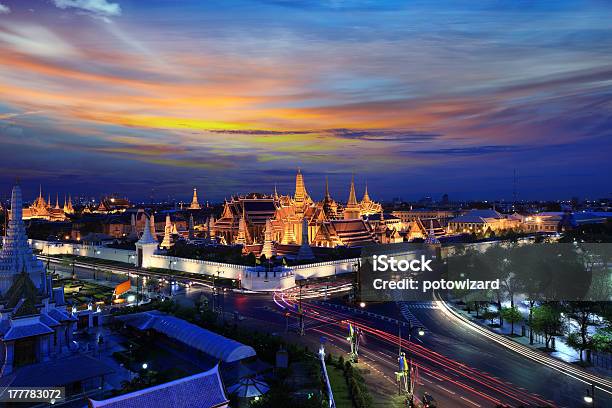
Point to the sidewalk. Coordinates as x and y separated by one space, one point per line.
562 351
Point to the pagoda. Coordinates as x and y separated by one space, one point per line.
16 255
195 205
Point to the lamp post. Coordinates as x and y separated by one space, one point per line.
410 388
130 260
96 252
215 301
301 311
357 283
48 258
589 398
74 262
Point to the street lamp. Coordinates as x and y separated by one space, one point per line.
96 252
145 366
589 398
362 305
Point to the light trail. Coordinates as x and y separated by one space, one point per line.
599 382
504 388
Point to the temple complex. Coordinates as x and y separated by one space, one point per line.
43 209
259 219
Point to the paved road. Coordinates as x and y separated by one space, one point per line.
457 366
458 342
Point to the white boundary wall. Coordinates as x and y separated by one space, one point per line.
280 278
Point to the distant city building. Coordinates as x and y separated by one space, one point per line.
112 204
483 222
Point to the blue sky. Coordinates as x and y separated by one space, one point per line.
416 98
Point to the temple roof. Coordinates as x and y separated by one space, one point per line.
203 390
57 373
29 330
22 288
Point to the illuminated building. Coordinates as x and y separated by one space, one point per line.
367 206
352 210
112 204
43 210
68 209
194 201
249 219
482 222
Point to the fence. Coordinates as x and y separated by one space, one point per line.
601 359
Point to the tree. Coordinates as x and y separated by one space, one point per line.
512 315
489 315
577 342
581 312
547 321
528 268
496 264
602 340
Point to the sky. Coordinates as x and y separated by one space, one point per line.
415 98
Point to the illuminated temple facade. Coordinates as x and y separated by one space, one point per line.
43 209
254 219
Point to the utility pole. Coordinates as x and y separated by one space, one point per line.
399 353
301 312
357 283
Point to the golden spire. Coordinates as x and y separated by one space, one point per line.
300 188
352 201
366 196
352 210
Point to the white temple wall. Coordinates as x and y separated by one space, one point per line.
229 271
322 269
270 282
100 252
247 275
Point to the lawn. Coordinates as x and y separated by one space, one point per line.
340 389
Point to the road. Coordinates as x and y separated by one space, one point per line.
456 365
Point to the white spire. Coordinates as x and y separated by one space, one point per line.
16 255
147 237
305 251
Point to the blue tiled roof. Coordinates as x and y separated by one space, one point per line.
30 330
48 320
210 343
203 390
60 315
58 373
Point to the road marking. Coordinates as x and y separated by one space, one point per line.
446 389
470 401
431 375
